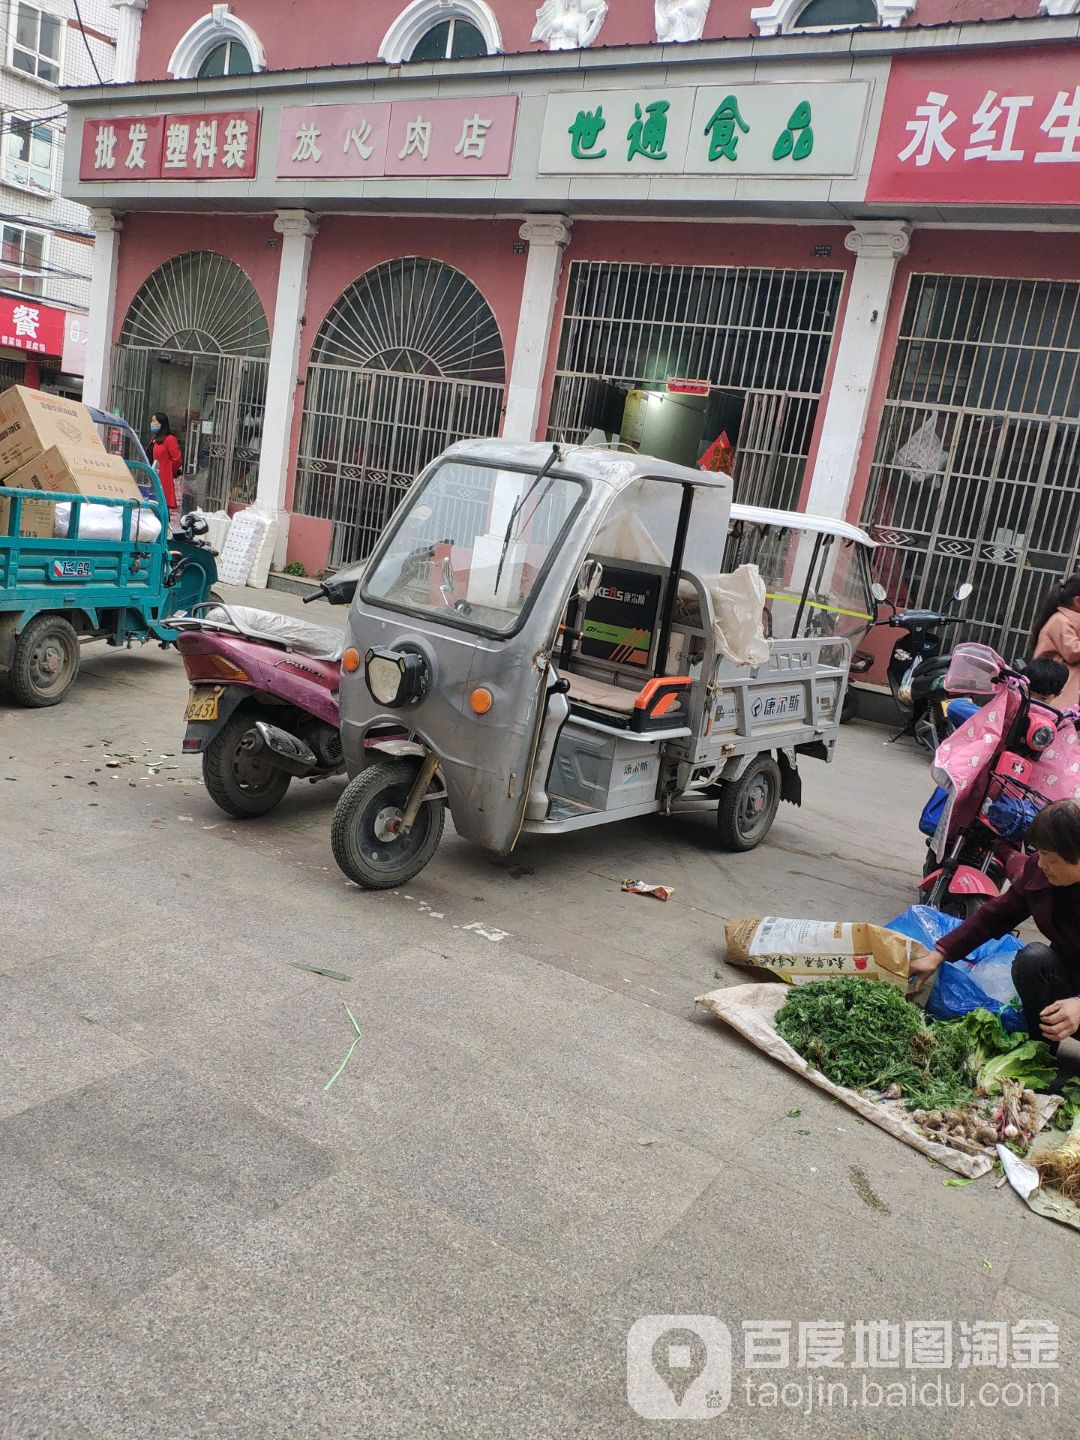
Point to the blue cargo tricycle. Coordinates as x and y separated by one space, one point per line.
56 592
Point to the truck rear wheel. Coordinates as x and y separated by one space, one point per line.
362 836
45 663
239 781
748 805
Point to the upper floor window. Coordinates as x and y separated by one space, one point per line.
22 259
785 16
442 30
228 58
36 38
217 44
833 14
29 151
453 39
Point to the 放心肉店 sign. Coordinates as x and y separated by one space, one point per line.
981 128
221 146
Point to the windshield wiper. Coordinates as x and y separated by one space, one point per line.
518 507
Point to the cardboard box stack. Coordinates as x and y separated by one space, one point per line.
49 443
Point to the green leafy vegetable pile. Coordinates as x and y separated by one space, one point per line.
864 1034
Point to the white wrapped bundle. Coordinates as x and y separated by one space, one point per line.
106 522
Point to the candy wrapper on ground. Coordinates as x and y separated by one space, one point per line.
642 887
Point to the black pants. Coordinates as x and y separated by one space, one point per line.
1041 976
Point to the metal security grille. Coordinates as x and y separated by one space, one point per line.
198 302
408 361
367 434
759 334
976 474
195 343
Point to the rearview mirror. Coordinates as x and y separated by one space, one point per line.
878 591
964 591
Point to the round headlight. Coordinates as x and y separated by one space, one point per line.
1041 737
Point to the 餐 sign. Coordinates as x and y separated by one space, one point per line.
219 146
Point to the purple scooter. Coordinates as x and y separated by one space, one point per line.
264 699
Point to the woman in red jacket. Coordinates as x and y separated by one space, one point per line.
166 457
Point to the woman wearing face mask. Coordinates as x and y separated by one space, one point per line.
1056 635
165 454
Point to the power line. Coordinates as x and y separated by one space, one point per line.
86 42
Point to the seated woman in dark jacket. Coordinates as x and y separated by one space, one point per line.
1047 890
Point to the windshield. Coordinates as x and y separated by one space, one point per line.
816 584
474 544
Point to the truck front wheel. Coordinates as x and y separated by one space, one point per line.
45 663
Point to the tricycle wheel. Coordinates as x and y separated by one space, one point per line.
849 710
45 663
748 805
364 844
240 781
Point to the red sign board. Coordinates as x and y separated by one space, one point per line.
975 129
27 325
221 146
688 387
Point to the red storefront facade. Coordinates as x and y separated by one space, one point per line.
847 249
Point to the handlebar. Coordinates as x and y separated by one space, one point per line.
315 595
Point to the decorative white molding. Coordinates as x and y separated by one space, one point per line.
1059 7
678 21
105 222
546 230
211 30
569 24
129 15
297 222
779 17
879 239
417 19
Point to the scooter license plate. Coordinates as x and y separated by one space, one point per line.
203 704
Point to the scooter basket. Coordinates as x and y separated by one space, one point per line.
1009 807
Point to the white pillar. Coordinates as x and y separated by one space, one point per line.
103 267
547 237
129 15
298 230
879 245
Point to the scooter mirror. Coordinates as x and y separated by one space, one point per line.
878 591
964 591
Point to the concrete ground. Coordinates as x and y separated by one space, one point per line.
537 1141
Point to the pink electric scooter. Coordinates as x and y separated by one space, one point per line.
263 707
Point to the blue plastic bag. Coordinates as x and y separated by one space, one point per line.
957 990
931 815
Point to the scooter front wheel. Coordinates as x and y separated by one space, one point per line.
363 836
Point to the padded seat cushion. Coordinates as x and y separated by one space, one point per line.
601 696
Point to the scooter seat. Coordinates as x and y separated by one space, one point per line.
284 630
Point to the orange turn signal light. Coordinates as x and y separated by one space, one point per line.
350 660
481 700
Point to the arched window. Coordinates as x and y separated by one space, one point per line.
452 39
831 14
442 30
201 303
228 58
786 16
217 44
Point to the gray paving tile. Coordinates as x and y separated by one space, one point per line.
48 1048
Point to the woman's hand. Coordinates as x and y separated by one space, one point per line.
1060 1020
924 968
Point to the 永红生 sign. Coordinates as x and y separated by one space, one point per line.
977 129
